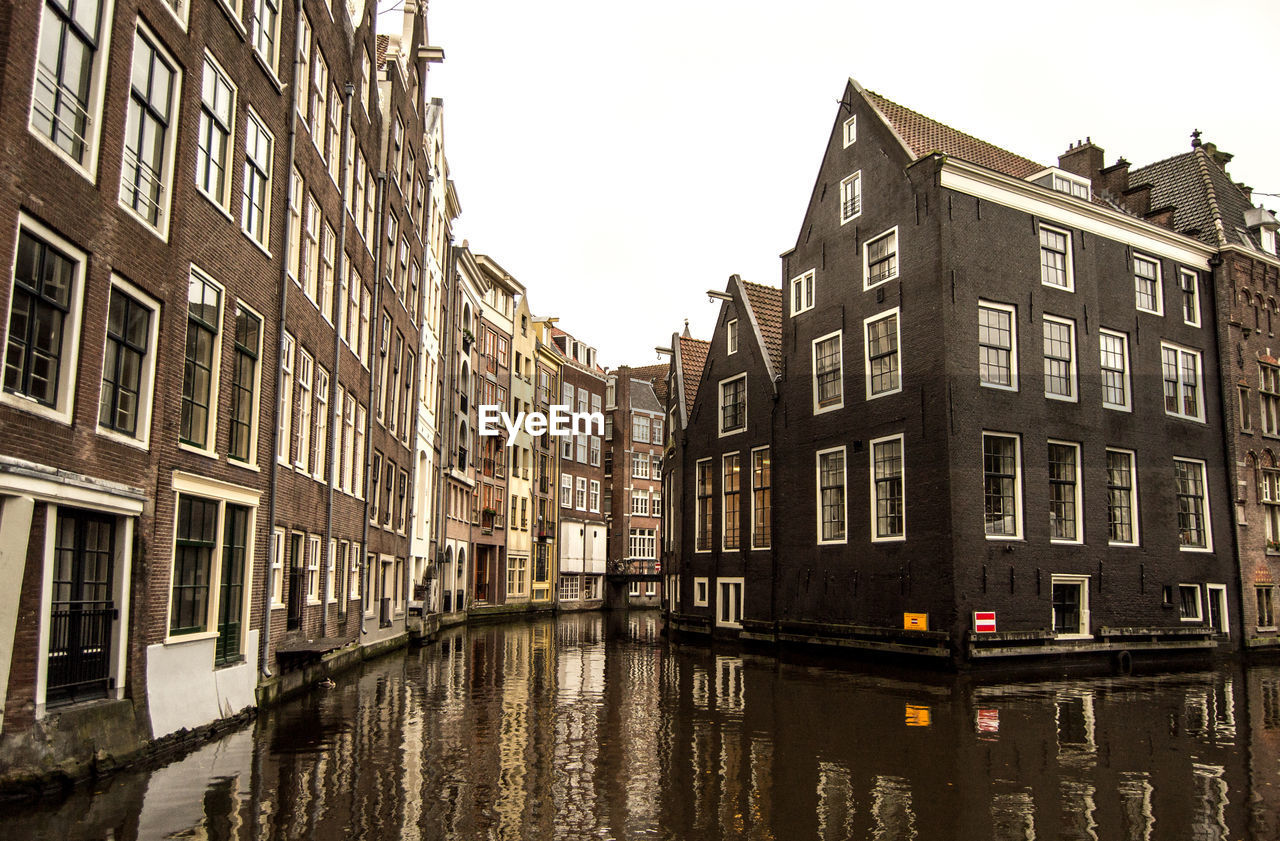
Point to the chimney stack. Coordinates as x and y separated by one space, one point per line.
1083 159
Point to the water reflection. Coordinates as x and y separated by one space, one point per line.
593 727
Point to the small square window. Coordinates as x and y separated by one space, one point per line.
802 293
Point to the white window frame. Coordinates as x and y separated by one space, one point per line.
566 487
165 210
1074 396
817 483
805 283
1082 581
724 517
1199 617
215 374
723 433
818 408
1133 499
697 514
1017 484
277 569
896 314
1068 266
1078 493
270 61
731 337
256 410
1127 405
285 400
874 498
638 496
1159 281
866 259
1200 389
147 379
580 493
724 585
593 498
1204 501
1013 345
1210 591
1183 275
254 124
221 202
312 569
850 131
851 189
701 584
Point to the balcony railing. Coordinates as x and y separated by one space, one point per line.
852 206
141 187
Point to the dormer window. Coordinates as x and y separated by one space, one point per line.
1268 238
1063 182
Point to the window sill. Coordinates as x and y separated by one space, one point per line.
277 605
192 448
1200 549
256 244
89 174
217 204
195 637
155 231
1007 538
27 404
238 661
266 69
121 438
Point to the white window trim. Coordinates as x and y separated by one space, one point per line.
730 582
161 228
866 350
256 412
1083 581
706 591
69 368
283 431
817 487
1133 271
871 475
1070 264
146 390
808 278
751 469
1133 497
1200 385
1074 397
1079 494
1208 512
221 203
724 520
1199 617
1127 406
593 496
1210 590
813 371
852 183
1017 484
731 337
277 569
97 97
313 549
1195 281
1013 346
866 263
251 118
720 406
697 519
850 131
215 376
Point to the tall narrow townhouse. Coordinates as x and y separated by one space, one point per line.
582 535
975 456
141 208
687 358
492 391
546 470
319 587
458 460
520 456
634 432
726 562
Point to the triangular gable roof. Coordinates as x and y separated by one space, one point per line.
693 359
922 136
766 304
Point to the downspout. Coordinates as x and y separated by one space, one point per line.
335 414
374 369
264 642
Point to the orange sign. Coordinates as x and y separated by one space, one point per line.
915 621
917 716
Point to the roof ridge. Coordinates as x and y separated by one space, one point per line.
1137 169
1202 163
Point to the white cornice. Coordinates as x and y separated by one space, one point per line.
1252 254
964 177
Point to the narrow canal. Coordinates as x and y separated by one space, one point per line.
594 727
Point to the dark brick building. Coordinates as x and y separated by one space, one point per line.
634 434
983 445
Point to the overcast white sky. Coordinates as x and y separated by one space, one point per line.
621 159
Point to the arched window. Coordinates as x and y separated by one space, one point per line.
464 440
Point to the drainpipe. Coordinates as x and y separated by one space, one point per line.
335 413
374 369
264 642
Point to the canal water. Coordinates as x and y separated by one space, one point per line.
591 726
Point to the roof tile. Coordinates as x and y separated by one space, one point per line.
693 358
766 303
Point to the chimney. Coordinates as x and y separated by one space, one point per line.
1115 178
1217 155
1083 159
1138 199
1247 190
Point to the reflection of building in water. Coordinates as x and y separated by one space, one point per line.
1136 817
895 820
835 802
181 801
1073 712
760 816
1209 820
513 740
1077 807
729 691
1013 816
1263 705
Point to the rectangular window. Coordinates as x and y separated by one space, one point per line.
128 366
997 343
320 455
244 386
882 359
802 293
581 499
1055 258
1189 283
851 198
195 539
1059 358
213 147
595 450
68 83
1193 504
594 502
828 378
343 479
730 489
731 336
1146 285
1182 376
642 544
1114 352
1122 499
761 499
1070 605
266 31
1002 485
733 405
255 210
639 465
704 505
284 428
831 496
1246 416
277 568
1064 492
1269 496
640 429
1265 597
1269 398
313 568
306 374
880 259
1189 609
729 602
566 490
700 592
888 509
148 143
640 503
850 131
199 384
358 479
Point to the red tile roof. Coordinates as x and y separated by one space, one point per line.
766 303
655 375
693 358
924 136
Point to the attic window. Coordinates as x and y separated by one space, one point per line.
1268 238
850 131
1063 182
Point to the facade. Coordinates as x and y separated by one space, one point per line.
634 433
965 425
544 575
688 357
521 457
582 535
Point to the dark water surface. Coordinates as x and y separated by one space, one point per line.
593 727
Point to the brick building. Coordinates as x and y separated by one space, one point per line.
634 432
981 444
544 574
